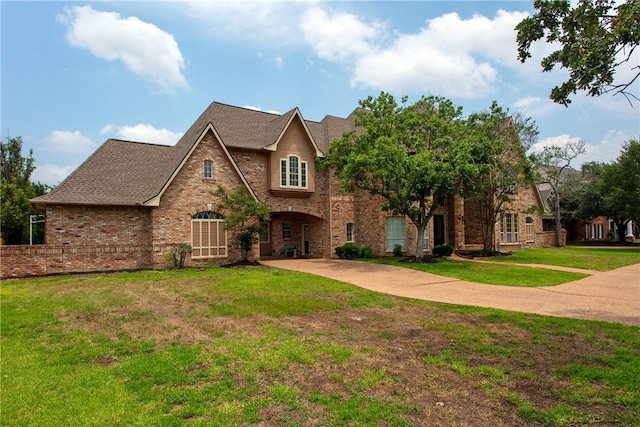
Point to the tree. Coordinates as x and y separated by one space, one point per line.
502 165
412 156
614 190
595 38
242 215
555 162
16 190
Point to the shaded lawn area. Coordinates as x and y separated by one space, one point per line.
489 274
589 258
261 346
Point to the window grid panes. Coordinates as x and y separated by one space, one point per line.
208 237
509 228
264 232
350 232
208 169
396 233
530 234
286 230
293 172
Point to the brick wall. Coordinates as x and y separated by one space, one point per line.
97 225
38 260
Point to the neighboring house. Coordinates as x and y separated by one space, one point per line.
136 195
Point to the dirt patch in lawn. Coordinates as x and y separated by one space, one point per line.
425 364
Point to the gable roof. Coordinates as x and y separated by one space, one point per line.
130 173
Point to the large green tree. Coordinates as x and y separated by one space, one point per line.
243 214
411 155
499 142
614 189
15 191
594 38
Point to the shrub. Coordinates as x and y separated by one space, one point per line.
366 252
177 255
442 250
397 250
348 251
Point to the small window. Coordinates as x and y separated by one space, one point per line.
286 230
208 169
350 232
426 238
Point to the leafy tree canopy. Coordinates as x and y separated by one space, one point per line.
16 190
412 156
498 142
595 37
242 215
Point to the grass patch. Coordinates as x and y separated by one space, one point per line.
489 274
219 347
589 258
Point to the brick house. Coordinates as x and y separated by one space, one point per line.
138 199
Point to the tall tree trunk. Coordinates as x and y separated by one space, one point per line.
559 241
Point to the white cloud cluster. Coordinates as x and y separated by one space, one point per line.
145 49
51 174
69 142
606 151
450 55
143 133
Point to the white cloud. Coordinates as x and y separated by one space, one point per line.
450 56
145 49
337 36
269 22
51 174
143 133
64 141
606 151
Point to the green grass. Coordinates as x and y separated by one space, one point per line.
490 274
261 346
589 258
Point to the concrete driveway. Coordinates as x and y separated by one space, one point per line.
612 296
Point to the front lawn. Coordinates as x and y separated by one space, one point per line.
489 274
589 258
261 346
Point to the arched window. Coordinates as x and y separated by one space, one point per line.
208 235
208 169
293 172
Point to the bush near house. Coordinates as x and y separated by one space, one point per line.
351 250
442 250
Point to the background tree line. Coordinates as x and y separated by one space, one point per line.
16 189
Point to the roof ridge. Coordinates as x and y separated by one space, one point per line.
223 104
155 144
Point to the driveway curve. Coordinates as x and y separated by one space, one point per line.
612 296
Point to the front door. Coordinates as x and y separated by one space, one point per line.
438 230
305 239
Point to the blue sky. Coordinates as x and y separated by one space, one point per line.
77 73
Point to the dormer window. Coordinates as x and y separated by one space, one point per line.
293 172
208 169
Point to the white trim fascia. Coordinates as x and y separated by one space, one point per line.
155 201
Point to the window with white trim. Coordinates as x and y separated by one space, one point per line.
208 169
208 235
529 230
508 228
396 233
349 232
293 172
600 231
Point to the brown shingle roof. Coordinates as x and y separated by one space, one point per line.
131 173
118 173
